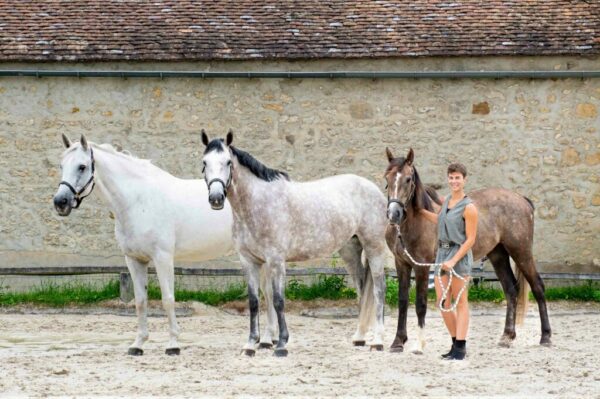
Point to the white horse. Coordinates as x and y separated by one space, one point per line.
157 218
277 220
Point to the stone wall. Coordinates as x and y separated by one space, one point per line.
538 137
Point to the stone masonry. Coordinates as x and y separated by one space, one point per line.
540 138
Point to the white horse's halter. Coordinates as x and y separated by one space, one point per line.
78 197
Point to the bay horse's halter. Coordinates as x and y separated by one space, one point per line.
78 197
445 290
216 179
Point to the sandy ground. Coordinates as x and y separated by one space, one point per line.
85 355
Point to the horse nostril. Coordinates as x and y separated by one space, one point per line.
63 202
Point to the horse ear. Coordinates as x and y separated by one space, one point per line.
204 138
410 157
389 154
66 141
229 137
84 143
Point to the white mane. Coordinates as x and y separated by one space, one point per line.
112 150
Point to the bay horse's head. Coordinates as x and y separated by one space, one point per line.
77 182
401 184
217 167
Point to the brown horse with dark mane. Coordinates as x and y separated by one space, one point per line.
504 231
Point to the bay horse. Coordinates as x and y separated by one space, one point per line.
157 219
504 231
277 220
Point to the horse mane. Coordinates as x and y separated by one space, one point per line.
108 148
257 168
123 153
421 199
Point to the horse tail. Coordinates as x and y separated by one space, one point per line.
522 297
530 203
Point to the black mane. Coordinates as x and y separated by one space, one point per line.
214 145
258 169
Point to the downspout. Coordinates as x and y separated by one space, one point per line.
304 75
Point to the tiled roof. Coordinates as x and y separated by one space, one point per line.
118 30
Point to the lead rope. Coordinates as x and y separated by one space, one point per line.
445 290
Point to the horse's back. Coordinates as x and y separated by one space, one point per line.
347 196
504 217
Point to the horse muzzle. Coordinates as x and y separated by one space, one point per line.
217 201
395 213
63 204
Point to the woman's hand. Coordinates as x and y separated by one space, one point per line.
448 265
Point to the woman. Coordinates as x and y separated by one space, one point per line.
457 229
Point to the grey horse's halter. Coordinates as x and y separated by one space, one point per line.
78 197
216 179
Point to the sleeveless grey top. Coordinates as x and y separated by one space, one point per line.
451 229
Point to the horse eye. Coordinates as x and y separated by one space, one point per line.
407 179
81 168
386 186
229 163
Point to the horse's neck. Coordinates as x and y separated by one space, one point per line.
244 192
116 177
416 223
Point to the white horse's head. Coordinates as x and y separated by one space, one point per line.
217 166
77 182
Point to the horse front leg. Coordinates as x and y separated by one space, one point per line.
269 334
253 279
166 278
139 275
422 280
403 273
278 282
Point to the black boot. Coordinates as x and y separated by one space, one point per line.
447 355
460 350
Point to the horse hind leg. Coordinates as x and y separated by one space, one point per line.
501 262
351 254
526 265
376 260
139 275
278 282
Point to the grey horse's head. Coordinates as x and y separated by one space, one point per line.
217 166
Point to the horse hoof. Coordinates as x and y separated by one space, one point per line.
396 349
546 342
265 345
249 352
135 352
280 352
172 351
358 343
417 352
505 343
378 347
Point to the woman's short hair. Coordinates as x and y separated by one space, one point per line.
457 167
